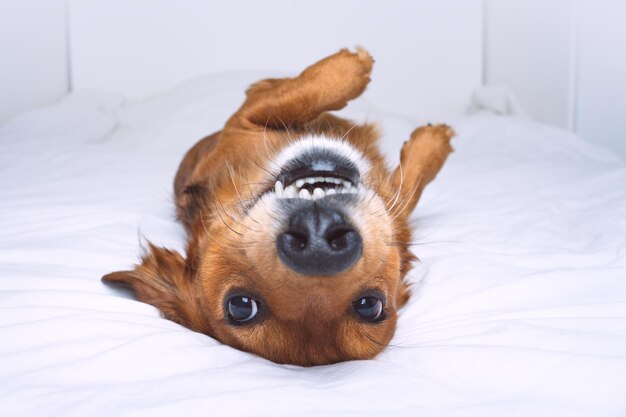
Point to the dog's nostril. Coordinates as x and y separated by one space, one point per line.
296 241
338 239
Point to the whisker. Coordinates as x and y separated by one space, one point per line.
222 219
286 129
410 198
232 180
347 132
398 192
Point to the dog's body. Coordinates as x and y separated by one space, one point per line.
298 234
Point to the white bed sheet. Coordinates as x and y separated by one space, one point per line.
519 305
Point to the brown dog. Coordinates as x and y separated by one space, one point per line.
298 235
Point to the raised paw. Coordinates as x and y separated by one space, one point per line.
324 86
421 158
436 133
357 64
426 140
344 71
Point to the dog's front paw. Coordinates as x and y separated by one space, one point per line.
427 137
345 73
441 133
354 67
358 63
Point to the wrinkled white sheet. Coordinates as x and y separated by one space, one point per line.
519 305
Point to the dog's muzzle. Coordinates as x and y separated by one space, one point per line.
315 188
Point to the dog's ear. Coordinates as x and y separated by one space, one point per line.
421 158
404 293
160 280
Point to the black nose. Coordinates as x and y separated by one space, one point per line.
319 241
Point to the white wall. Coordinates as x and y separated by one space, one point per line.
428 52
564 60
33 53
601 104
529 47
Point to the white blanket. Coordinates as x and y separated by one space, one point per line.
519 305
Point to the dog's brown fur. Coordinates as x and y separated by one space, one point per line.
307 320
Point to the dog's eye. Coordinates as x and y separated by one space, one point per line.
242 308
369 308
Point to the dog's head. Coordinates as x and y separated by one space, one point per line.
306 268
299 244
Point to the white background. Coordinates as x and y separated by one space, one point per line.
425 67
563 59
33 54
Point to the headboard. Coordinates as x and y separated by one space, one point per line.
428 53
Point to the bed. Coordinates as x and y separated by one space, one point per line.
519 305
519 298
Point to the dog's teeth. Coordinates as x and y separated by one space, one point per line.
279 189
291 192
318 193
296 190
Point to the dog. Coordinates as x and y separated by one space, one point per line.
298 234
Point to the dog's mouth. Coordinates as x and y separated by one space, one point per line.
314 168
316 174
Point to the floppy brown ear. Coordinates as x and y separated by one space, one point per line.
404 293
421 158
160 281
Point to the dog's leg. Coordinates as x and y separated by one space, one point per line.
271 106
421 158
326 85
